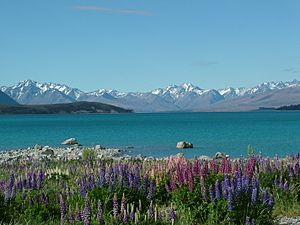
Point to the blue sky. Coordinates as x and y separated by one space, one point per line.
134 45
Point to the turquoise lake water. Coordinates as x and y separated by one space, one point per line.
156 134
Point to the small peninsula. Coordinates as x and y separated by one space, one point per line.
65 108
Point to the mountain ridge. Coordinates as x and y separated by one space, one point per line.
184 97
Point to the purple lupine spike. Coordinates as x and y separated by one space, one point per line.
211 194
151 211
87 211
255 182
281 185
239 184
271 200
62 210
20 184
137 178
28 181
248 221
254 195
100 213
245 184
290 170
203 188
275 181
101 177
230 199
146 183
63 185
297 168
123 205
120 177
286 186
264 196
159 216
111 184
43 197
217 190
31 202
132 214
77 213
70 216
115 208
190 181
39 180
151 190
91 181
124 217
33 181
172 215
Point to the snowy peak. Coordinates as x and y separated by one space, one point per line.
261 88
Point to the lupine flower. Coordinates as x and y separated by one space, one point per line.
151 190
123 205
101 177
70 216
218 191
30 202
264 196
124 217
275 182
132 213
39 180
151 210
172 215
115 208
33 181
203 189
77 213
271 200
254 195
286 186
281 185
100 213
229 199
62 210
297 168
146 181
211 193
248 222
87 211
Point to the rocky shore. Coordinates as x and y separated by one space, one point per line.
60 153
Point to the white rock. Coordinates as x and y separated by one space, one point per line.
70 141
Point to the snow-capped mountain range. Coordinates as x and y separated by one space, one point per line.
185 97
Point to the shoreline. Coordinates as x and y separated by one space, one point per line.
76 152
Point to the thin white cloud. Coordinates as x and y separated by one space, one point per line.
291 70
113 10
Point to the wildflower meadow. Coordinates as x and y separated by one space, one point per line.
175 190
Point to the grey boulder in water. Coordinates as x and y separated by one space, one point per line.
184 144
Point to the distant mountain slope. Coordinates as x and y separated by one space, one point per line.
5 99
67 108
269 99
184 97
289 107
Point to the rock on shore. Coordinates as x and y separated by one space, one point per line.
50 153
